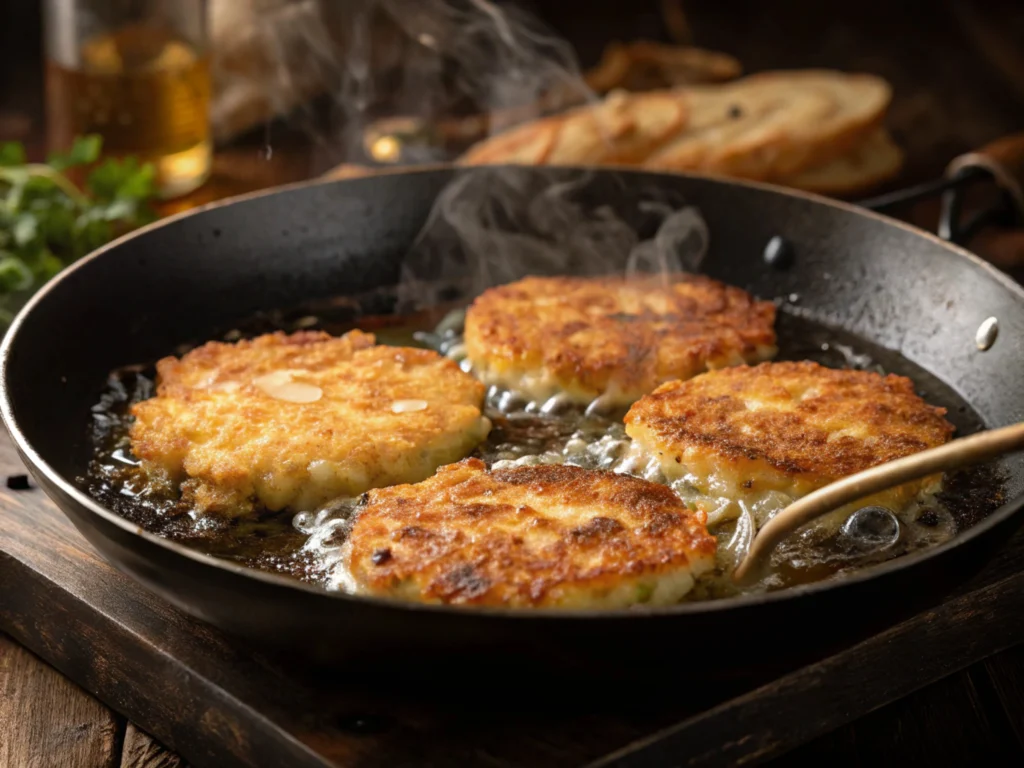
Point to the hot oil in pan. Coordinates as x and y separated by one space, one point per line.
307 546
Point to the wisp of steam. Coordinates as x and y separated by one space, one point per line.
371 59
428 59
493 225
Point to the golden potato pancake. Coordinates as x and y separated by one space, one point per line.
740 433
614 337
541 536
293 421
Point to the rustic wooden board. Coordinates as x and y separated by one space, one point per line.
1006 673
949 724
219 703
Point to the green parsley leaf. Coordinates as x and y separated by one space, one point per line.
84 150
46 222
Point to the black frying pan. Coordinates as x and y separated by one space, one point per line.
138 298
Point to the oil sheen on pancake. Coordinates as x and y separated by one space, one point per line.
741 433
615 337
540 536
295 420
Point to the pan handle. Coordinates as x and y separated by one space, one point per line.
1002 161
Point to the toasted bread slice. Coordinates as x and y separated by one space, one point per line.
645 65
683 65
875 160
774 124
622 129
770 126
526 144
809 138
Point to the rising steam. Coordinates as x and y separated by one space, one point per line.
370 59
494 225
430 59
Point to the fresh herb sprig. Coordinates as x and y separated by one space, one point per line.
47 222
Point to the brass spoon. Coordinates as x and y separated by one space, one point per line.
962 452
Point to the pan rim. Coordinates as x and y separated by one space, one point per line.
41 467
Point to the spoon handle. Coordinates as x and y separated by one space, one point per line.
953 455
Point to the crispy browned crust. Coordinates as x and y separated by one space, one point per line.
616 335
807 420
526 536
218 361
212 428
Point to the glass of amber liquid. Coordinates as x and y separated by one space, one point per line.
136 72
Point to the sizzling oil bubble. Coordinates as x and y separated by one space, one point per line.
510 402
557 405
603 406
871 528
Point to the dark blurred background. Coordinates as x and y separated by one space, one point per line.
957 67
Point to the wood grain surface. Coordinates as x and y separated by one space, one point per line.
951 723
140 750
1006 676
46 720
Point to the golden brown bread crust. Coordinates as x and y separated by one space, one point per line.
775 124
797 426
613 335
875 160
528 537
623 129
769 126
220 427
526 144
643 65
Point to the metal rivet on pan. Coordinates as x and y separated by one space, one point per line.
778 253
987 333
